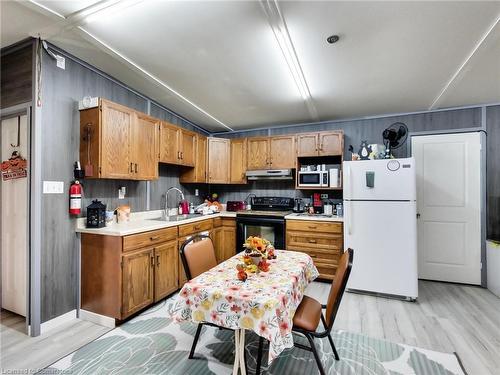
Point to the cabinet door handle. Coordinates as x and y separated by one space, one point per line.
312 227
178 154
154 238
135 167
182 155
158 260
152 261
131 167
312 255
197 227
312 241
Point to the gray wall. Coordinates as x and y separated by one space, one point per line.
61 90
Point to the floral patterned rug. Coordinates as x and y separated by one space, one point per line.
152 343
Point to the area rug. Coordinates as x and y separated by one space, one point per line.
151 343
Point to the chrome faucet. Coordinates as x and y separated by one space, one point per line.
165 211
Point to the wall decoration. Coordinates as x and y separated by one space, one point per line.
15 167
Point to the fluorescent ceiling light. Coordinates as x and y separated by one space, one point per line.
47 9
157 80
280 30
106 9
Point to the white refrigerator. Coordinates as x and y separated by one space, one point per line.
380 224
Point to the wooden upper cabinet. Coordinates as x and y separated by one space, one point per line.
177 145
331 143
307 144
238 160
119 143
198 174
187 147
166 269
258 153
169 150
137 280
218 160
282 152
116 135
145 147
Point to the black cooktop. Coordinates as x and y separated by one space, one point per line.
272 204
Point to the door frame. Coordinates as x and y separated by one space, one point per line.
483 213
33 286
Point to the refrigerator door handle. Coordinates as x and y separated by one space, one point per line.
349 223
349 179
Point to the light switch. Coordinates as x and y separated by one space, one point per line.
53 187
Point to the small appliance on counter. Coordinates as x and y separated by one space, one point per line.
298 205
317 203
96 214
234 206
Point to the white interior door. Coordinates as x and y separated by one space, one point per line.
14 221
448 171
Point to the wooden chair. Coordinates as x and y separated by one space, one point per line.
309 313
198 256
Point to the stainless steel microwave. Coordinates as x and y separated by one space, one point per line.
313 178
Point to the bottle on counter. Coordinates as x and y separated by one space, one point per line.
340 210
191 208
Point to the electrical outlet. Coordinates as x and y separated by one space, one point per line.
196 192
53 187
121 192
324 196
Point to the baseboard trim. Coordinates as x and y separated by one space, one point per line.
57 321
102 320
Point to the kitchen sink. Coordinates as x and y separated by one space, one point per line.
176 217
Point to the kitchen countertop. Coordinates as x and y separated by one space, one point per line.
296 216
141 222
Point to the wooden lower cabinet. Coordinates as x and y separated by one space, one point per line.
323 241
120 277
138 280
224 237
166 270
123 275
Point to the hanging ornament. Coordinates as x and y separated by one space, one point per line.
15 167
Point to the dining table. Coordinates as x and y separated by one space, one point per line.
264 303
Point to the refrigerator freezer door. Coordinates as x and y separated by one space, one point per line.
384 238
385 179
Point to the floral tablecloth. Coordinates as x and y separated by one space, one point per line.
265 302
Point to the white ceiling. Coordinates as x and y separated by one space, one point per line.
220 65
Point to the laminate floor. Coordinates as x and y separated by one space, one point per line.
19 351
447 318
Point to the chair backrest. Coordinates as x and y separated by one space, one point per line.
338 286
197 255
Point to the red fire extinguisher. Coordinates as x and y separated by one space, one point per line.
75 198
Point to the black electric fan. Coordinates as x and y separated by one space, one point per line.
394 137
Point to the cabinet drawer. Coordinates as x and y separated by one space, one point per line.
322 256
224 222
136 241
314 226
331 243
199 226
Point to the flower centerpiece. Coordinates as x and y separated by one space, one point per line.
257 251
